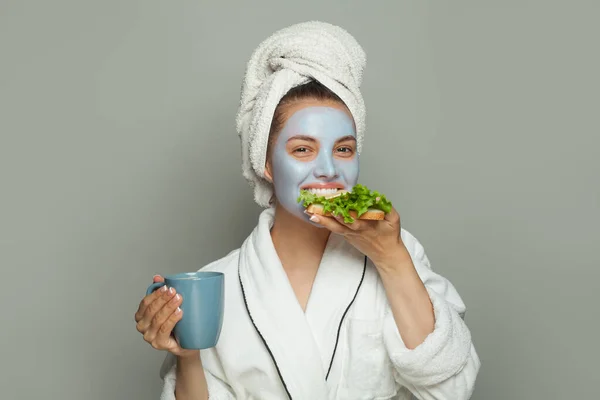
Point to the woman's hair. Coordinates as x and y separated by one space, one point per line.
312 90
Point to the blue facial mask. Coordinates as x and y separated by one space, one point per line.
326 125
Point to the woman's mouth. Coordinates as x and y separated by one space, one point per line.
323 192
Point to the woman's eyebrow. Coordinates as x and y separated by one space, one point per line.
302 137
346 138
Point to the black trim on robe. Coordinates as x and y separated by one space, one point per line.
343 316
336 339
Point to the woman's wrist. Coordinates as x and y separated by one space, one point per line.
189 357
190 380
394 259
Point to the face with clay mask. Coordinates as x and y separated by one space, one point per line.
315 150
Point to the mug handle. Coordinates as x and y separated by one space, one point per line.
154 286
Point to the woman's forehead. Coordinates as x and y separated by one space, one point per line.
319 121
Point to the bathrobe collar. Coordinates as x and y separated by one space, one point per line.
302 345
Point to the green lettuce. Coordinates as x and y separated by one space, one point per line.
360 199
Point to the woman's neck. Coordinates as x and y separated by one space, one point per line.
300 247
297 243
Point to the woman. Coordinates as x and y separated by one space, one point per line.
316 308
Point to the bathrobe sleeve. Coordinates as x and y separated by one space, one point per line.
446 364
217 388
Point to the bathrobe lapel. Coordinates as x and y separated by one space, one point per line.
338 281
301 345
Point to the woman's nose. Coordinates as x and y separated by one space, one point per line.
325 167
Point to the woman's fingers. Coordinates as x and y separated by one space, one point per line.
329 223
163 297
164 338
393 216
356 225
146 301
337 224
161 317
166 341
156 317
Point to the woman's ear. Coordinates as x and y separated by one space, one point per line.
268 173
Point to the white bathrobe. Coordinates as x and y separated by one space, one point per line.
345 346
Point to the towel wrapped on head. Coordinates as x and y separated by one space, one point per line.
291 57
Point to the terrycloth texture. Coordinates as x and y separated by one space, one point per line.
440 356
291 57
371 361
216 389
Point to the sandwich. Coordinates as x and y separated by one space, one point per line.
360 203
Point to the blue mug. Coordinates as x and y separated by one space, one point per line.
203 296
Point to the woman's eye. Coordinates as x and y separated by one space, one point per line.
302 152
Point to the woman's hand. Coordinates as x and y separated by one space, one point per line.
378 240
156 316
406 293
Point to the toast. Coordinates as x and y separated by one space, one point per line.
371 214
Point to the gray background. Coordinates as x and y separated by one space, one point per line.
119 159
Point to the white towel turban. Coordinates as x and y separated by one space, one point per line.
289 58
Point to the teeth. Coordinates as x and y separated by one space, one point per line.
323 192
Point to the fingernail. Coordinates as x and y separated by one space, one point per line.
171 290
314 218
177 297
164 288
178 310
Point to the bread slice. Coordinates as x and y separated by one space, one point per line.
371 214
